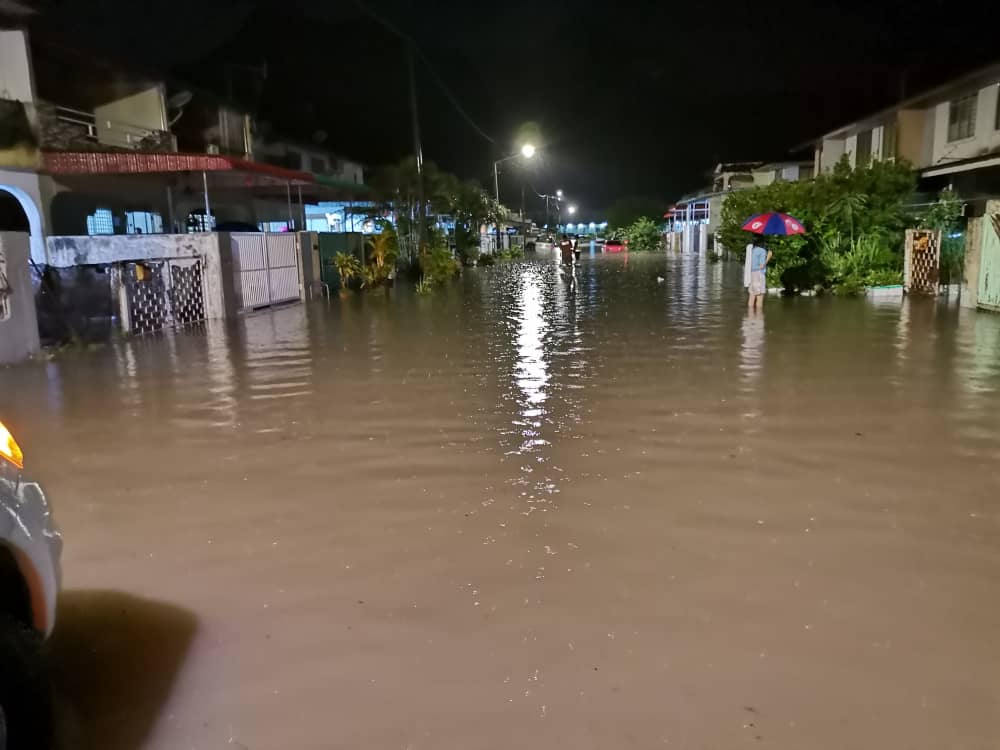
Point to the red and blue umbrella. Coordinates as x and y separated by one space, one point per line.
773 222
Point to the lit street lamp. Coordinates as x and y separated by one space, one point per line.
559 194
527 151
571 209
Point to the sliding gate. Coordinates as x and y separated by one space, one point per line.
266 269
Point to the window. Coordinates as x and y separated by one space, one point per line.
143 222
273 226
318 164
102 221
962 118
889 141
863 151
197 221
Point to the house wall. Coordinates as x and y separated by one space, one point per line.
19 332
985 140
26 187
851 149
832 150
911 145
15 67
144 109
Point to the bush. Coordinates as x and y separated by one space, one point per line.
836 208
437 265
643 235
348 268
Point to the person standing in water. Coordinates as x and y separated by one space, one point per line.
760 256
566 250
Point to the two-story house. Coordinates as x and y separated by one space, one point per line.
950 134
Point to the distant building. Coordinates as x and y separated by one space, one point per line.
696 217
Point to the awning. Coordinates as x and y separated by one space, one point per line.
98 162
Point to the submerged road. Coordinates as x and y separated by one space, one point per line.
517 515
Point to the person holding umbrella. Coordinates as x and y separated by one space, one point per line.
758 256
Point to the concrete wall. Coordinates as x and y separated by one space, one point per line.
19 332
214 248
26 188
16 81
985 139
142 110
969 296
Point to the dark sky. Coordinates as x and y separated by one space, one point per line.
629 97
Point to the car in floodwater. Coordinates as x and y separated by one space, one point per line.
612 245
30 576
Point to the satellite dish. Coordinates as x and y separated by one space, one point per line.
180 100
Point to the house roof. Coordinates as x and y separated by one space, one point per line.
969 81
140 162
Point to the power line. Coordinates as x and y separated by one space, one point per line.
365 8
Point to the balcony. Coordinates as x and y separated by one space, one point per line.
66 129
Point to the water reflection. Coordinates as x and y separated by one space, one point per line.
531 369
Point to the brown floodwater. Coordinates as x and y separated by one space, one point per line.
519 514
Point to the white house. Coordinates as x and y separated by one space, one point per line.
950 131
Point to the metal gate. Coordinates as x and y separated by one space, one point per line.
266 269
921 266
989 262
159 294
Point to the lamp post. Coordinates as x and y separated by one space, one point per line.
527 151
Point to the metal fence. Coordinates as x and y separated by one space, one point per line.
158 295
266 269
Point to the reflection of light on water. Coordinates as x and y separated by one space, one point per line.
531 370
752 346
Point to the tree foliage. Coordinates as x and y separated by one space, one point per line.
839 210
643 235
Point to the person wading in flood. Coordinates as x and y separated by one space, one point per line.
760 256
566 250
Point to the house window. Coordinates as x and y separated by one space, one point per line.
198 221
889 140
102 221
962 118
863 151
143 222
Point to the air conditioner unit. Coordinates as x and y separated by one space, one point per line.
212 148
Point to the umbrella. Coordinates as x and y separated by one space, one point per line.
774 223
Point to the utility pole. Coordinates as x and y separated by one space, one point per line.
418 150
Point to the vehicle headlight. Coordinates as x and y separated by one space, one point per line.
9 449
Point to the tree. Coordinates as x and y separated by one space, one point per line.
643 235
626 211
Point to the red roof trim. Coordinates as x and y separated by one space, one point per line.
97 162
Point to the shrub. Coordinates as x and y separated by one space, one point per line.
348 268
836 208
643 235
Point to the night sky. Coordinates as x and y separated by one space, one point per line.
629 98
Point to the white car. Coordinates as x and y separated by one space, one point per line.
30 574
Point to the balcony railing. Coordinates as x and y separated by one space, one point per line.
67 129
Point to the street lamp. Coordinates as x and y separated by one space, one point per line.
571 209
559 194
527 151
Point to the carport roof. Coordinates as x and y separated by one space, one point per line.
138 162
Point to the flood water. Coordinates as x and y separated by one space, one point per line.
517 514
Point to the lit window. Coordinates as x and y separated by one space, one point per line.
143 222
962 118
102 221
198 221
